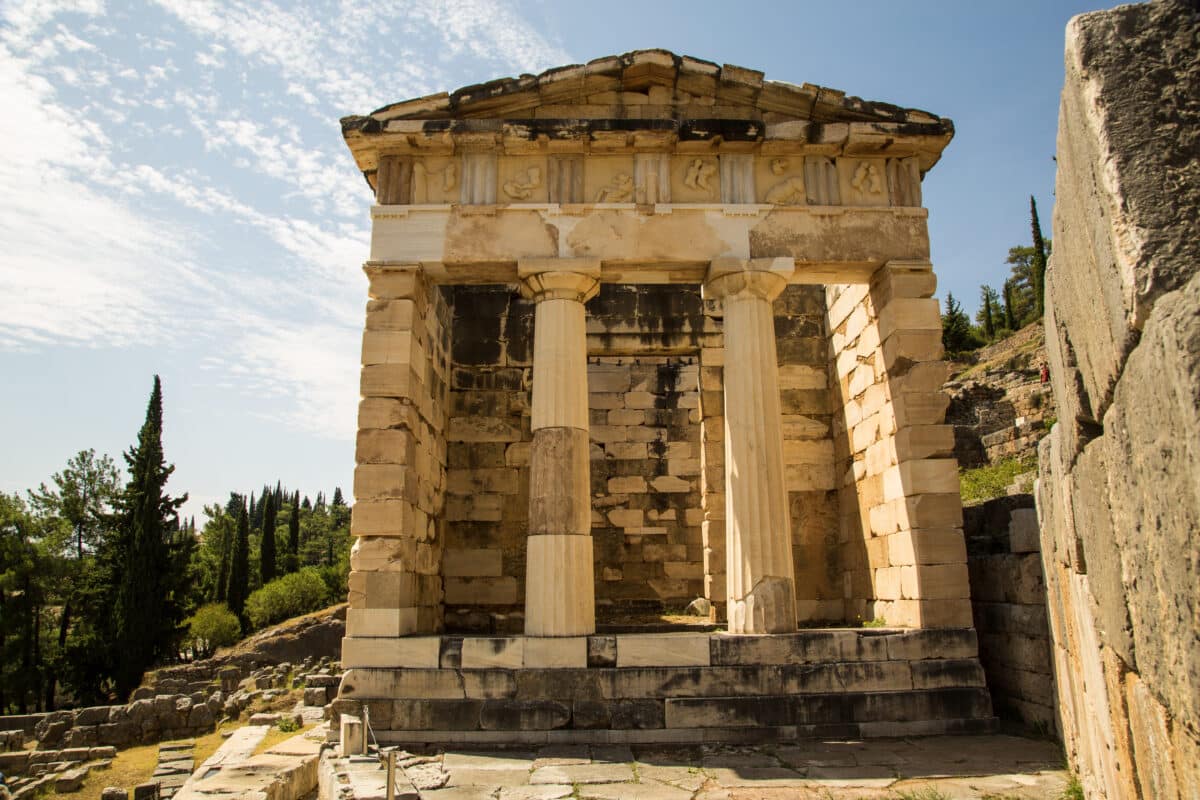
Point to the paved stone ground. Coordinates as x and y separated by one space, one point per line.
959 767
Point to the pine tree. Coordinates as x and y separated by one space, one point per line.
149 583
1039 260
293 557
267 549
957 335
239 570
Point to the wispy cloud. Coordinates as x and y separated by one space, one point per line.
184 147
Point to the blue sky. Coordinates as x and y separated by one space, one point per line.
175 197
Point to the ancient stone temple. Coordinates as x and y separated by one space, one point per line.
641 331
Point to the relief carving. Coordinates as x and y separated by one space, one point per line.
425 179
699 173
867 179
619 191
521 187
791 191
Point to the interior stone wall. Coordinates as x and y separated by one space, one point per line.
657 455
1118 495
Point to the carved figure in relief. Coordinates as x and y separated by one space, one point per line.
789 193
425 178
867 179
619 191
698 173
521 187
779 166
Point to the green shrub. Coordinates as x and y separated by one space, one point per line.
984 483
288 725
213 626
294 594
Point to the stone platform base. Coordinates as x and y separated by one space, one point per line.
668 688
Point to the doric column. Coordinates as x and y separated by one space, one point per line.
559 597
760 580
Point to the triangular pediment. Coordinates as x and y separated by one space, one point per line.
647 84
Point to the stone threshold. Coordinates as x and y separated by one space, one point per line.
637 650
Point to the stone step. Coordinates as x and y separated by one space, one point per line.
659 682
836 708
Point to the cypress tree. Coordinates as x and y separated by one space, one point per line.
239 570
267 549
338 500
255 513
147 607
223 571
1039 259
293 562
989 320
1010 314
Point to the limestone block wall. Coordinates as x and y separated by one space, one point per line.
400 477
656 428
1118 495
1008 599
900 516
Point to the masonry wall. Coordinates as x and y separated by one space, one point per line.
400 477
1008 601
655 360
1118 492
899 513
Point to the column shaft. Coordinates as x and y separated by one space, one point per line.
759 571
559 593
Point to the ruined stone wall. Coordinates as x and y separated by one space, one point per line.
1008 599
1118 493
900 516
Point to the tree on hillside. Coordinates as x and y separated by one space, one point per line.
337 500
267 547
75 508
1010 314
1038 271
239 568
21 603
293 556
989 307
957 335
147 611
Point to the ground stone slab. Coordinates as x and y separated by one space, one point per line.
583 773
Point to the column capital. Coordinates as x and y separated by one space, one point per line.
575 279
764 278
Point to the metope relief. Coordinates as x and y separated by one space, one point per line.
432 184
785 180
695 180
863 181
524 184
619 190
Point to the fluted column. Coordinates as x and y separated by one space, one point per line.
559 594
760 580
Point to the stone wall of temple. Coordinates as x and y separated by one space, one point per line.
1118 493
655 356
900 515
400 480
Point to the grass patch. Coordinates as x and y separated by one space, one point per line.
132 766
1074 790
924 793
276 735
985 483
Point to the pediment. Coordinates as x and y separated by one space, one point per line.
647 84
